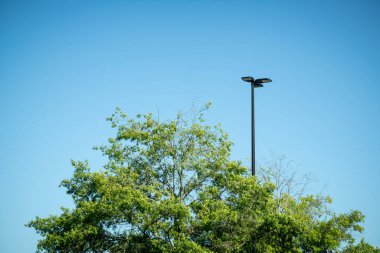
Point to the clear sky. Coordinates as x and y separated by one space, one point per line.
65 66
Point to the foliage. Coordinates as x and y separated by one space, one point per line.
171 187
362 247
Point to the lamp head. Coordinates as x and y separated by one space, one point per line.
263 80
258 83
248 79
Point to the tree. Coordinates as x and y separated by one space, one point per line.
171 187
362 247
282 173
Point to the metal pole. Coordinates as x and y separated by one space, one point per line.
253 125
258 83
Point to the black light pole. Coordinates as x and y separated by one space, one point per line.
254 84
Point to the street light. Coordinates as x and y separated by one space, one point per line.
258 83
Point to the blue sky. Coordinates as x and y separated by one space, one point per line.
65 66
